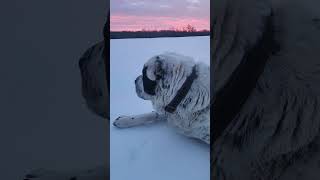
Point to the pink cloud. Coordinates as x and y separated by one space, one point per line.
122 22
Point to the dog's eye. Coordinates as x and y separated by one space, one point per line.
159 75
148 84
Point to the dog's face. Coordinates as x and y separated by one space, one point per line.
152 74
159 74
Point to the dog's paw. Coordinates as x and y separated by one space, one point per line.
123 122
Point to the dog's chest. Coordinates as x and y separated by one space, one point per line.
183 124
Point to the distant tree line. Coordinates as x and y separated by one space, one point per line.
188 30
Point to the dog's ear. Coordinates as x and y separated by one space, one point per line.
236 28
159 71
242 42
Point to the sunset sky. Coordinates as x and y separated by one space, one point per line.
159 14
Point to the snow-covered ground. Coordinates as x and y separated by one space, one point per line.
153 152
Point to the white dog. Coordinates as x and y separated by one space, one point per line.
179 90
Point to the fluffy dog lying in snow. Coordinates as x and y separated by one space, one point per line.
179 90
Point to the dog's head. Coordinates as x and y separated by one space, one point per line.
162 75
94 81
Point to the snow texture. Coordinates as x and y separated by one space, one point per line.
155 151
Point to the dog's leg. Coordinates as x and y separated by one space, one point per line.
142 119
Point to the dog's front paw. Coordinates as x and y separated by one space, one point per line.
123 122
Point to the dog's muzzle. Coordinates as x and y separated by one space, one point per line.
149 85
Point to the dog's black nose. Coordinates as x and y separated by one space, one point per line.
135 81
